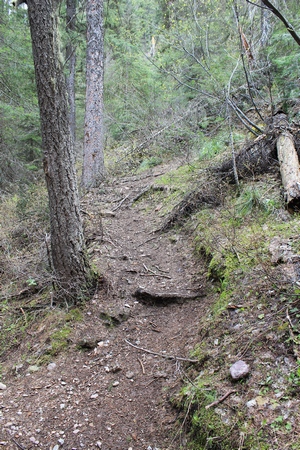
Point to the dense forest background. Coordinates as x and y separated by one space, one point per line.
186 78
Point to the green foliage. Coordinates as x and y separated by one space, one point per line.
206 426
32 202
251 198
59 341
148 163
284 54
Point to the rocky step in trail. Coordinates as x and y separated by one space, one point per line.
126 358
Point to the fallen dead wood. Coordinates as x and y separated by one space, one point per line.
162 355
208 195
289 169
257 157
163 298
149 188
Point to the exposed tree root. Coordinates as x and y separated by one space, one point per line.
163 298
208 195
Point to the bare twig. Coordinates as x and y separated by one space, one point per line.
292 335
153 273
121 203
23 312
17 443
148 240
176 358
142 365
220 400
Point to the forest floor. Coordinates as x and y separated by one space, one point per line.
111 388
144 365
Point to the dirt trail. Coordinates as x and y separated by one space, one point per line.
114 395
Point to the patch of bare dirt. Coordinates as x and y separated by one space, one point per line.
111 390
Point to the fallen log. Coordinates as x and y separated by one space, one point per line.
289 169
163 298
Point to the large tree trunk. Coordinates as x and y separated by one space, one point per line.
71 60
289 169
70 263
93 171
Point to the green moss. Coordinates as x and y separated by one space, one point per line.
59 341
149 162
74 315
207 428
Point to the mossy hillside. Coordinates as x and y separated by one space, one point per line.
37 332
249 300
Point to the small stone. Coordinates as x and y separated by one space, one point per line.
129 375
116 368
239 370
115 383
2 386
61 441
56 447
51 366
99 444
261 401
33 368
251 403
94 396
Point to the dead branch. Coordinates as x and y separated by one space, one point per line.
257 157
147 189
142 365
120 204
292 335
176 358
216 402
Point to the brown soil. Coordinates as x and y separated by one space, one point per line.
114 393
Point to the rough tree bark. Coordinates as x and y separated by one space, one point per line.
71 61
93 170
72 271
289 169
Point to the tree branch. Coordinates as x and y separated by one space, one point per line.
278 14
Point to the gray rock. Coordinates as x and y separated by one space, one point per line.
51 366
107 213
2 386
129 375
239 370
251 403
33 368
94 395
